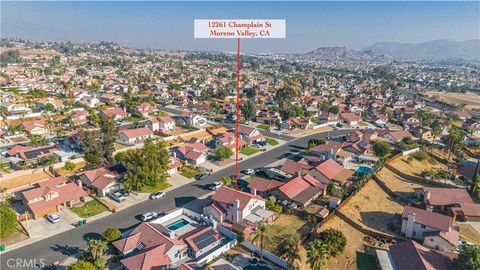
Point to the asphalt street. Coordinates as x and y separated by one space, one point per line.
59 247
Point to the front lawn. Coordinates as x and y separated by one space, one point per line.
264 127
156 188
189 171
91 208
248 150
271 141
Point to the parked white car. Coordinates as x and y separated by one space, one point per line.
148 216
118 197
53 218
157 195
214 186
249 171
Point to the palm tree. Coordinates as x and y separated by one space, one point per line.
317 254
476 177
436 131
97 248
260 237
291 249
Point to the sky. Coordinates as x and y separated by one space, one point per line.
169 25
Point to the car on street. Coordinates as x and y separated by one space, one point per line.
202 176
118 197
157 195
249 171
214 186
53 218
148 216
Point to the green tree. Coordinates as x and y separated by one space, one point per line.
275 207
109 133
381 149
249 111
82 265
260 237
455 140
226 180
89 141
111 235
37 140
100 263
148 166
223 153
317 254
289 248
96 248
436 131
314 142
69 166
334 109
8 219
476 177
240 237
469 258
335 240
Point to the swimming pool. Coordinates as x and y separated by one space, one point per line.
177 224
363 169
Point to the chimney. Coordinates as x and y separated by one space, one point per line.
171 234
429 208
409 226
236 203
427 196
80 183
254 191
214 223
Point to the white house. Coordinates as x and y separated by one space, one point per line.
136 135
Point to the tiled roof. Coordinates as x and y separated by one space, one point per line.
447 196
409 255
427 218
228 196
292 167
264 185
137 132
329 168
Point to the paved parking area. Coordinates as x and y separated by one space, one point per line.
41 228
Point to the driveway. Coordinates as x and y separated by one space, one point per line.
41 228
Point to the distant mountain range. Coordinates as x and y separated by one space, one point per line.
442 49
340 53
431 50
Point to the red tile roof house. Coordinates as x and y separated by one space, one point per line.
393 137
117 113
295 168
409 255
232 206
166 123
30 154
327 118
145 109
264 187
301 190
437 231
193 153
103 180
35 127
250 135
148 248
324 151
351 118
134 136
174 166
330 170
48 195
297 123
228 140
440 198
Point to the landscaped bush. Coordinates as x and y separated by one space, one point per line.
8 220
420 155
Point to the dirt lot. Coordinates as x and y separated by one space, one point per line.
468 100
347 259
469 233
373 208
416 167
16 182
64 172
397 184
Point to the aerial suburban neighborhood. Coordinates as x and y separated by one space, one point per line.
113 157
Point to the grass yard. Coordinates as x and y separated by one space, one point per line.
264 127
271 141
90 209
283 226
153 189
366 261
189 171
248 150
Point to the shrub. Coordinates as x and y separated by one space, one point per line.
420 155
223 153
82 265
275 207
69 166
8 219
111 234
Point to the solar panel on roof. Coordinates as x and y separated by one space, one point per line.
205 239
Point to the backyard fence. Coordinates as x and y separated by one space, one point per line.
265 254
